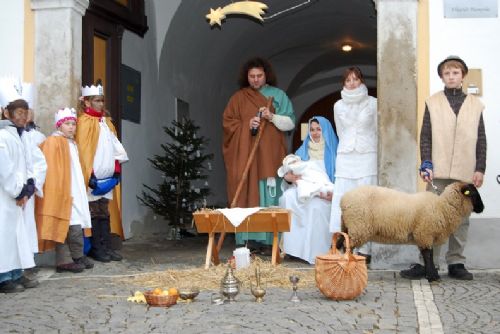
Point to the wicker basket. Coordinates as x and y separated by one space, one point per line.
341 276
160 300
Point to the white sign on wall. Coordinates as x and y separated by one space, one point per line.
470 9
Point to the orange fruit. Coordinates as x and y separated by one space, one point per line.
173 291
157 291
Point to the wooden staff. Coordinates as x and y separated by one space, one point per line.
247 168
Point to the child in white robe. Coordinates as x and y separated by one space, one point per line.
15 190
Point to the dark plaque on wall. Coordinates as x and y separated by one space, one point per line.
131 94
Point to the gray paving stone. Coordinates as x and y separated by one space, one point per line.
69 303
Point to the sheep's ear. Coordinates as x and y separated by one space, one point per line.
465 190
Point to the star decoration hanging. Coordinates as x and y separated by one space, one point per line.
254 9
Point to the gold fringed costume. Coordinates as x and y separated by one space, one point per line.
53 211
87 136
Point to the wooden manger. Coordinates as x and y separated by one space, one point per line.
273 220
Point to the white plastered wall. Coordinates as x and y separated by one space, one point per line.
12 37
143 140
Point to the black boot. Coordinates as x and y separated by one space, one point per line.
85 262
114 256
98 251
416 271
458 271
106 240
10 286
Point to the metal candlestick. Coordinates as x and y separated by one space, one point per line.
230 285
257 291
294 280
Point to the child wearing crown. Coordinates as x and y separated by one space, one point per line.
63 211
101 154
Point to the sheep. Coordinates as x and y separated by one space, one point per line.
373 213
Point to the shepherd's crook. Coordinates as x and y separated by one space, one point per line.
247 168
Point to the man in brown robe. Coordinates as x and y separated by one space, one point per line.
246 110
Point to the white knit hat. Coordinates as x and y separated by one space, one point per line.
10 90
63 115
27 93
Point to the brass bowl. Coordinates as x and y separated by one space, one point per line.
188 294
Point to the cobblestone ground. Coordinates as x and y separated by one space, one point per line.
95 302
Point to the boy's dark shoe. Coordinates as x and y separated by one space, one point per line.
27 282
458 271
71 267
416 271
114 256
100 256
10 287
85 262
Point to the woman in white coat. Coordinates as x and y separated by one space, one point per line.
355 118
309 234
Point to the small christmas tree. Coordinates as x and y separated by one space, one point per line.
183 165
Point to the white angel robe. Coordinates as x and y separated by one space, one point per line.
15 249
37 168
80 214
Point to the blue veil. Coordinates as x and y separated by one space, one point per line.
331 142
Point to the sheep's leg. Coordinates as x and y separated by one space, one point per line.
340 243
431 272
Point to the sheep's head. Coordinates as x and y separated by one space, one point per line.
463 197
470 191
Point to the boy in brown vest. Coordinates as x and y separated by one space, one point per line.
452 148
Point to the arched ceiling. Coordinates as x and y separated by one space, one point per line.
199 63
303 43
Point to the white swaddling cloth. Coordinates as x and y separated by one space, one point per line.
313 178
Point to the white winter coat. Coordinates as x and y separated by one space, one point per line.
355 118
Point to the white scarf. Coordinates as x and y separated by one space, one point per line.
317 150
355 95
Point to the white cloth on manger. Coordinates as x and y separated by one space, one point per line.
237 215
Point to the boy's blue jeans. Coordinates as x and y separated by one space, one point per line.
11 275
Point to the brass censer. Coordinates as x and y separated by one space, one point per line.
257 290
230 285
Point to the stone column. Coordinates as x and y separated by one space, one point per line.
397 93
397 105
58 56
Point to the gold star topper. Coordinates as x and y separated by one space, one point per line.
251 8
